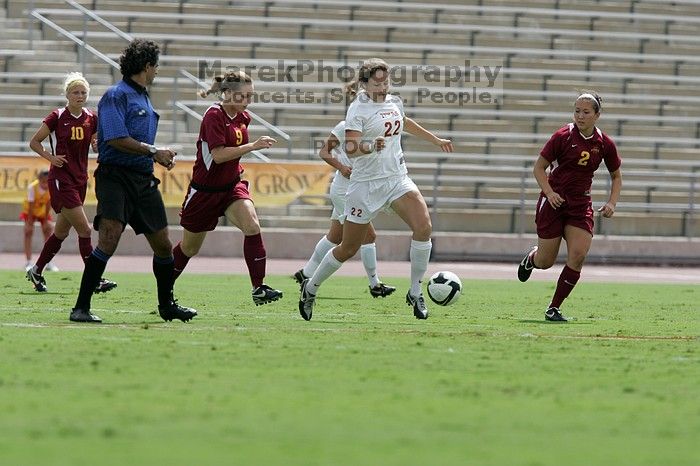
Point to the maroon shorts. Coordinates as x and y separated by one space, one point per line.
201 210
66 196
551 222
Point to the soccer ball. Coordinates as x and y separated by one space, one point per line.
444 288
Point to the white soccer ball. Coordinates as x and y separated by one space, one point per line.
444 288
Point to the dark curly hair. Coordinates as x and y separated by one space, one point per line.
137 55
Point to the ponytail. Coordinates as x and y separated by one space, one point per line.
232 80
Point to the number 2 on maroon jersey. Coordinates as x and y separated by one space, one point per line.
585 155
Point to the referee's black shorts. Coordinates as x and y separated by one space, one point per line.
130 197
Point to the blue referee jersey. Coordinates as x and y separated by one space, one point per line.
125 110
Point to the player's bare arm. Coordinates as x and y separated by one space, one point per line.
540 172
356 146
325 153
608 209
223 154
411 127
36 145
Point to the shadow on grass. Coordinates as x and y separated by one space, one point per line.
547 322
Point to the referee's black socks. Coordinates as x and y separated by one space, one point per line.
94 268
163 269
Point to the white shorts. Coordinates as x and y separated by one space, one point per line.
365 199
337 193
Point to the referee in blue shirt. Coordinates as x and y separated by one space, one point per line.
126 190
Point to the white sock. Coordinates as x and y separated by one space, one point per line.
325 269
420 255
321 249
368 253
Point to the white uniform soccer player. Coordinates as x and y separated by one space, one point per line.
333 152
379 179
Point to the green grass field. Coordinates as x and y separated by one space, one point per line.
484 382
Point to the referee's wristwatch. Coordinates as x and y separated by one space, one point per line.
152 149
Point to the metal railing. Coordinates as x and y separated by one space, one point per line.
84 46
85 51
203 85
83 58
259 155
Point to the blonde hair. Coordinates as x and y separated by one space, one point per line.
75 79
368 68
232 80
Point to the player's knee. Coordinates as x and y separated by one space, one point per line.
84 231
370 237
63 234
422 231
544 263
109 238
345 251
576 259
190 250
162 247
335 237
250 228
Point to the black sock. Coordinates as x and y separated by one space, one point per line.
94 268
163 268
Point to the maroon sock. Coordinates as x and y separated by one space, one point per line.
567 281
85 247
181 261
50 249
255 258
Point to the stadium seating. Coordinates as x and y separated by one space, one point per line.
647 72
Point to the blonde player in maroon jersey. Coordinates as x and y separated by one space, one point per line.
564 209
216 188
71 130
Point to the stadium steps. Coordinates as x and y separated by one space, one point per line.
364 12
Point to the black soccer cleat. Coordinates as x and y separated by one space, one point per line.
37 280
420 310
105 285
299 276
381 291
174 311
81 315
525 267
553 314
306 301
264 294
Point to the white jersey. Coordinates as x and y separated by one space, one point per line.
374 120
339 153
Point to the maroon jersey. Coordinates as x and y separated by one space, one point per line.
575 159
71 136
219 129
